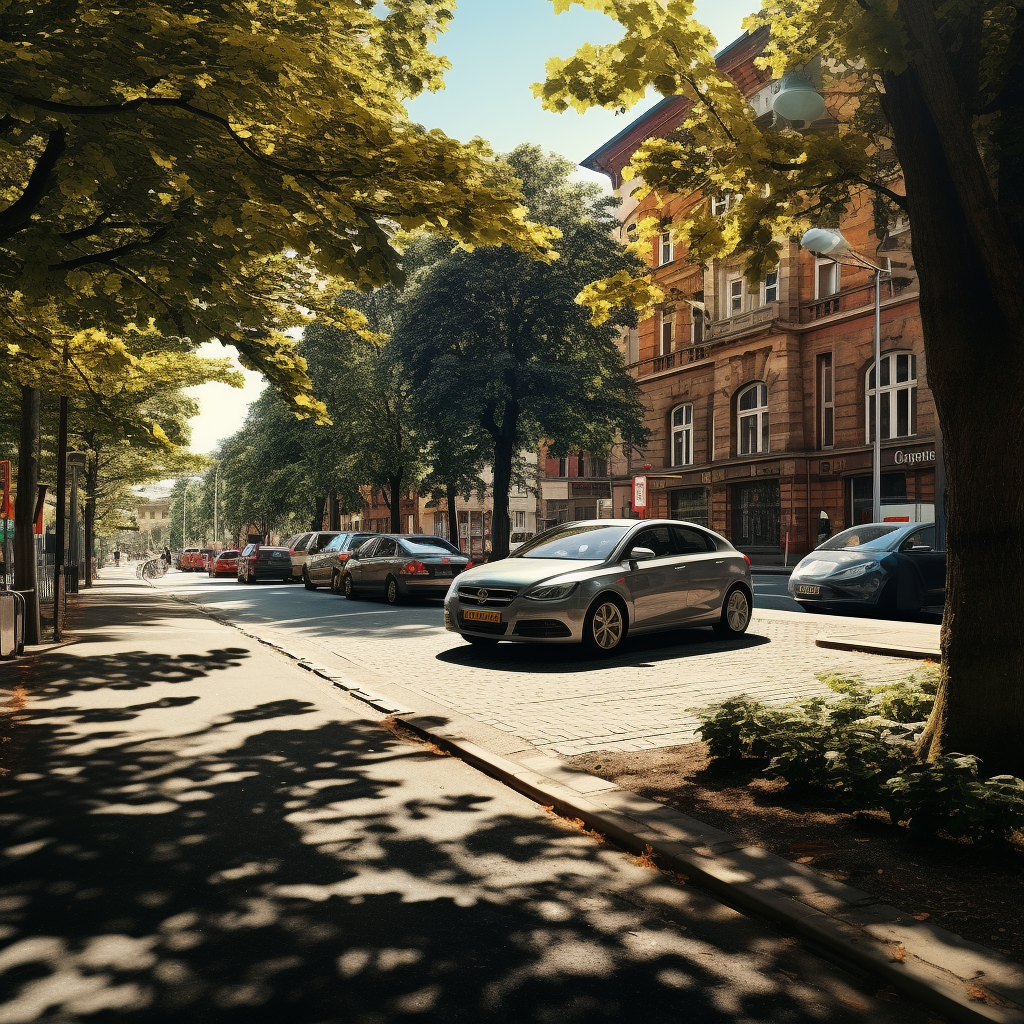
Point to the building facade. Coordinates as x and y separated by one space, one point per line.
761 399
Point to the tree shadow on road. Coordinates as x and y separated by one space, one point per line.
273 867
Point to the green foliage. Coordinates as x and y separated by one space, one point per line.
846 749
223 169
946 795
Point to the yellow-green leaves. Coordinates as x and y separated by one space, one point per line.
160 164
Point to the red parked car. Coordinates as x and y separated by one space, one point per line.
223 563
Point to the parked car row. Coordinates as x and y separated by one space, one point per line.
195 559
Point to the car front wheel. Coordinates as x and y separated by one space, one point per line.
735 613
605 626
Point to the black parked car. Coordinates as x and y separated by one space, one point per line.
882 568
260 562
402 565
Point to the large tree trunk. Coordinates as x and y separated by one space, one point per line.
24 520
453 516
975 360
504 435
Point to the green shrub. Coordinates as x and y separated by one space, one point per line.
860 750
946 795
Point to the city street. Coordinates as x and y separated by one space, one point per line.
546 695
198 830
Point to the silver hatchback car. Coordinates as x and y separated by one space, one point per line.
593 582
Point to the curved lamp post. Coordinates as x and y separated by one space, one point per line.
829 243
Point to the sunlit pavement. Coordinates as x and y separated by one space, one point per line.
197 830
547 695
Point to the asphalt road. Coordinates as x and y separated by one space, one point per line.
195 829
770 592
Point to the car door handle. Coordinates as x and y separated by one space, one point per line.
680 568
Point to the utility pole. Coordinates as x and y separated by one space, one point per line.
58 539
216 481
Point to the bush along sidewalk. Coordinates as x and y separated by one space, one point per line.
859 748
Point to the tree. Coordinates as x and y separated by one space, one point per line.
927 96
499 340
175 164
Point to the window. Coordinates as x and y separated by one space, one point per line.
697 325
723 204
826 278
752 420
386 548
666 250
518 520
682 435
597 467
668 331
410 524
826 402
897 400
770 287
736 289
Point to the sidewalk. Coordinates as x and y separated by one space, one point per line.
193 670
961 979
919 641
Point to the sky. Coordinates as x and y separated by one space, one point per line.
497 49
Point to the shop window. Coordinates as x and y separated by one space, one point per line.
668 332
666 249
752 420
756 514
682 435
896 397
826 402
691 505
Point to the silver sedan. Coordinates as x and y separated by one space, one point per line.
593 582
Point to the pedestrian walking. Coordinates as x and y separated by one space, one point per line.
117 557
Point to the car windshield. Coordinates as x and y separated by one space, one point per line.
872 536
429 546
578 542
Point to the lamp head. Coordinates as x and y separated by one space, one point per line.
825 242
797 99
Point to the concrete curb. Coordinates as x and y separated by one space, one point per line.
965 981
843 643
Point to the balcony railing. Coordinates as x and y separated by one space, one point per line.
752 320
856 298
670 361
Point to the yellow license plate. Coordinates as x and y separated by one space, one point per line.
473 615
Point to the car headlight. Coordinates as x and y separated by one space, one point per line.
554 592
855 571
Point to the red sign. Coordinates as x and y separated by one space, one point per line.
6 506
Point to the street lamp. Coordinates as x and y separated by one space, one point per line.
829 243
797 99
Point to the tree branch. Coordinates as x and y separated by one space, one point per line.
109 255
40 181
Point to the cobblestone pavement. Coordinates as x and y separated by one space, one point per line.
549 696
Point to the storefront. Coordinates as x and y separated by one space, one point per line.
756 514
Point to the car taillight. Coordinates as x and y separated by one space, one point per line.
413 569
468 565
747 559
291 551
344 556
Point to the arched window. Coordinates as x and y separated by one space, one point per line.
897 396
752 420
682 435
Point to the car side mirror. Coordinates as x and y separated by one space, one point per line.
640 555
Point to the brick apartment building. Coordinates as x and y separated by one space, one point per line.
760 399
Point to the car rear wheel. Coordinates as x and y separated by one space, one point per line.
735 613
306 581
349 587
391 591
605 626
